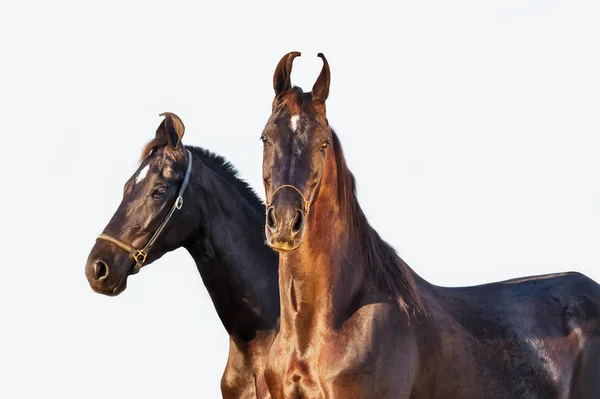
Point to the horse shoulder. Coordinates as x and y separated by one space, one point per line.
371 355
244 373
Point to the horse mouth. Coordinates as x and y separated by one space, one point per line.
118 289
283 246
110 290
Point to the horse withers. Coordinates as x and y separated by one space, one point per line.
183 196
358 322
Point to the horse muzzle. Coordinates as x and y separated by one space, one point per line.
285 225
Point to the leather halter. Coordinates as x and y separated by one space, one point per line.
306 201
139 255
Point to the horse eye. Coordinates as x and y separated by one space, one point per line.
324 145
263 138
159 192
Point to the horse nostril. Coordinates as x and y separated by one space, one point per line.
271 219
297 224
100 270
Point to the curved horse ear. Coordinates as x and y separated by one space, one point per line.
172 128
320 90
282 77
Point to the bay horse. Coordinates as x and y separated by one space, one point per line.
358 322
183 196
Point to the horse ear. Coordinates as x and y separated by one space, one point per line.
283 73
172 128
320 90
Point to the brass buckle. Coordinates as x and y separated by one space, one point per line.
140 254
179 202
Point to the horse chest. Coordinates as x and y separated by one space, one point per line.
291 371
351 362
244 373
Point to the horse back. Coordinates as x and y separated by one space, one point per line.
524 337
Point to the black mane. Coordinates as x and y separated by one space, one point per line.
386 267
222 166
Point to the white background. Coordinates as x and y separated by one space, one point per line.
472 128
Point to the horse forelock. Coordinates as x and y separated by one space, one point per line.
155 143
292 100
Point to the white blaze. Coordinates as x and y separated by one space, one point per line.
294 122
142 174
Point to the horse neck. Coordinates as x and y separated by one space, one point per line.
324 278
237 268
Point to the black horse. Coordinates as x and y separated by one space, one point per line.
188 197
357 322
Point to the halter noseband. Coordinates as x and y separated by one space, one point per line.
306 201
139 255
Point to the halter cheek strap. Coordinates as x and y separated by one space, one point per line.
139 255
